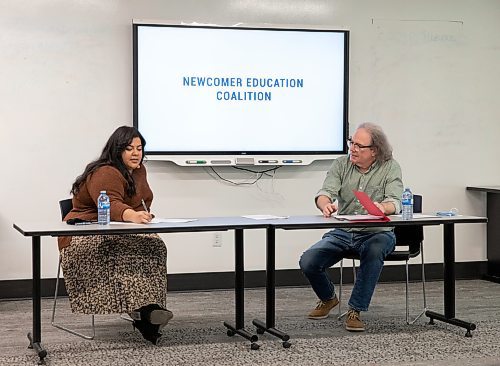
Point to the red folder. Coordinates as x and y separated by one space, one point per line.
370 206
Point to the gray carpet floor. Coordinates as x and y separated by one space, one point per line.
196 336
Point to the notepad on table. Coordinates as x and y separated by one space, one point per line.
169 221
264 217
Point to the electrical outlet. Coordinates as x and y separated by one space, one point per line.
217 240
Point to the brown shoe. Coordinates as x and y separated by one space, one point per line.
323 308
353 323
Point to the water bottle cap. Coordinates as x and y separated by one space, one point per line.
103 191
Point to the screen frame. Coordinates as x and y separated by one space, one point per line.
201 157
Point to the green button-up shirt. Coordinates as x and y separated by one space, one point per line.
382 183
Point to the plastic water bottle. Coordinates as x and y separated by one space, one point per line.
103 207
407 202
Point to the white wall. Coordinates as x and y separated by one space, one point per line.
427 71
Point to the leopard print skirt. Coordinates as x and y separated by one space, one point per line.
107 274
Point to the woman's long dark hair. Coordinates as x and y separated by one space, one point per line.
112 155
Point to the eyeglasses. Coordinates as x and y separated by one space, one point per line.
355 145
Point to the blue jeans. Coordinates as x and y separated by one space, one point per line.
372 249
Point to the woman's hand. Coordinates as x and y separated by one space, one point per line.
138 217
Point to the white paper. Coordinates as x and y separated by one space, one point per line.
358 217
264 217
420 216
154 221
170 221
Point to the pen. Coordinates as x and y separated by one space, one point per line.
144 205
86 223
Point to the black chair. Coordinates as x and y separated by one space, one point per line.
65 207
409 244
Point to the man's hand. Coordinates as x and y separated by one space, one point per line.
386 207
326 206
380 207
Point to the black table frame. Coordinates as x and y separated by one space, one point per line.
493 230
318 222
238 224
37 230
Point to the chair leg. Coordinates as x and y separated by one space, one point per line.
408 321
407 283
339 295
423 274
340 313
54 312
127 318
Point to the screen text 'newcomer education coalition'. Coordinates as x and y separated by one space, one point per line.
238 82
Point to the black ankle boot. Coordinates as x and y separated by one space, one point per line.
155 314
149 331
150 319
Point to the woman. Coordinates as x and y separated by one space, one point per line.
117 273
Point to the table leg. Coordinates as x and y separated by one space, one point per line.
269 326
35 338
449 285
239 292
493 237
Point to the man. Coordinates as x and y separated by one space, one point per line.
369 167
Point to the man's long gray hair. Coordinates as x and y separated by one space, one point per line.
379 141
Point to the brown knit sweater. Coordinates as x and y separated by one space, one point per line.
109 179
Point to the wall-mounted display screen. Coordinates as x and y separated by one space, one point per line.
237 95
